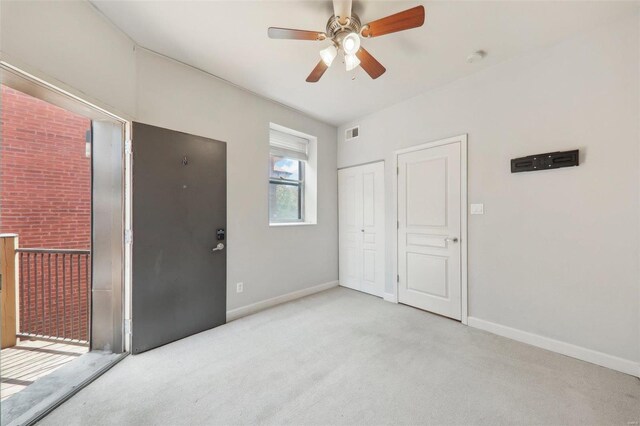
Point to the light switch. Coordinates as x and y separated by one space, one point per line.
477 208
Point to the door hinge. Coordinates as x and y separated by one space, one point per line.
398 170
128 236
127 326
127 147
397 278
398 225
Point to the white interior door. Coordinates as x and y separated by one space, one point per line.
350 209
429 229
361 228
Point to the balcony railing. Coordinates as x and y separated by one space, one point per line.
54 294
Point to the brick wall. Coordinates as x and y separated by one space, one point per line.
45 176
45 198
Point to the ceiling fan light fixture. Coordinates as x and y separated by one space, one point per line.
328 55
344 29
351 43
351 62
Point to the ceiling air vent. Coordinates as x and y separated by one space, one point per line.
352 133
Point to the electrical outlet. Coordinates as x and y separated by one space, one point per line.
477 208
239 287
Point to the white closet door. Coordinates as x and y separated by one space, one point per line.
350 218
361 229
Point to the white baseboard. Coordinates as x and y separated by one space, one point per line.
243 311
579 352
390 297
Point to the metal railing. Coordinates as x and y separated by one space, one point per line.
55 294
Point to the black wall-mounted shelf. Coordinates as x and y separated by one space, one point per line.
550 160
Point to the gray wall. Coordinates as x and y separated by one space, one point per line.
269 260
72 46
69 44
556 253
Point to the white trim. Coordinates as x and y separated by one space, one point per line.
382 160
464 210
462 139
243 311
394 260
390 297
292 224
568 349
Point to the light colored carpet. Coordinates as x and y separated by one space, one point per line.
342 357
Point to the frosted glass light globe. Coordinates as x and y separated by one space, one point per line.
351 44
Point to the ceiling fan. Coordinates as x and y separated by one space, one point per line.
344 29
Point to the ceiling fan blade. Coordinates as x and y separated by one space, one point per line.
342 8
370 64
291 34
410 18
317 72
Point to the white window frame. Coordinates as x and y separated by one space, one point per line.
309 181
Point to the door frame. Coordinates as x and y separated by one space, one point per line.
113 312
462 140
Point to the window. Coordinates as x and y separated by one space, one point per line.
288 170
286 190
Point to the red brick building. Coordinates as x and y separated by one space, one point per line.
45 198
45 174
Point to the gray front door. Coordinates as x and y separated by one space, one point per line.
179 217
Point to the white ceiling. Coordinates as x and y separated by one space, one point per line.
229 39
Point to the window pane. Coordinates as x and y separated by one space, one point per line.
284 168
284 202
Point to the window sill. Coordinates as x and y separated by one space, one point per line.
292 224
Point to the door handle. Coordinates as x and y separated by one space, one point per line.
452 239
220 246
